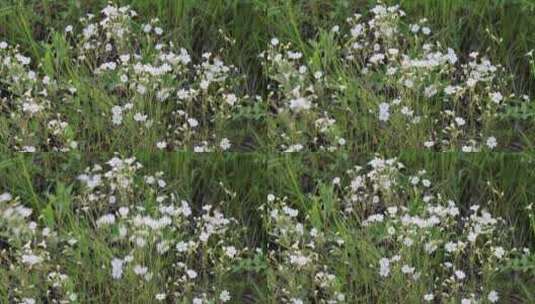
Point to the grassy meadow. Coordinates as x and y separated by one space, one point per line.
254 151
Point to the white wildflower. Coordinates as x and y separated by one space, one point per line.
117 268
496 97
384 267
299 104
491 142
31 259
225 144
193 122
106 219
384 113
493 296
4 197
192 274
224 296
230 99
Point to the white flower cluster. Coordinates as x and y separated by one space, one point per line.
164 95
297 255
413 221
416 88
155 239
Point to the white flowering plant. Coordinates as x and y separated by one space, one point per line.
375 83
378 82
130 84
120 229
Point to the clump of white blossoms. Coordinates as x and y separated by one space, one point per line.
29 103
409 234
405 217
384 113
168 79
31 251
168 230
298 256
141 84
149 237
294 96
435 97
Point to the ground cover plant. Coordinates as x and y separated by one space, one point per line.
267 151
